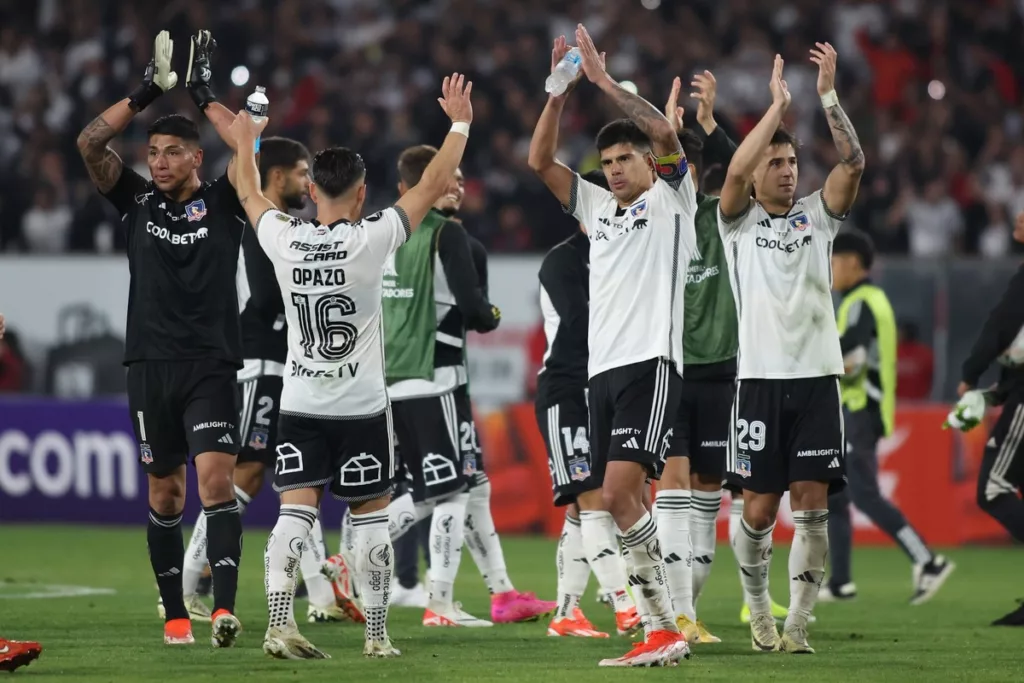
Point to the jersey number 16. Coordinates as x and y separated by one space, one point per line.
321 326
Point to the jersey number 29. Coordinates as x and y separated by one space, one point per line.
321 326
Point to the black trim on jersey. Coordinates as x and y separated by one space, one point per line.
729 220
333 418
406 225
574 194
829 212
564 277
256 225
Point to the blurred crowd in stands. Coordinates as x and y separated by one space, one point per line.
932 86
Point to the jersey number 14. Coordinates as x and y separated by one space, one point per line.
322 327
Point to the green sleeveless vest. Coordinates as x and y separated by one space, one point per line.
410 316
878 379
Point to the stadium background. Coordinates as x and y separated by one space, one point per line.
938 110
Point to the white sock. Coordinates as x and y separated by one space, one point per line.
601 548
447 534
401 516
320 592
375 560
573 570
243 499
751 548
807 558
703 521
735 517
643 609
348 539
648 571
483 542
673 514
195 557
281 560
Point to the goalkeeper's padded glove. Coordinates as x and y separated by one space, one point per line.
968 412
199 75
158 77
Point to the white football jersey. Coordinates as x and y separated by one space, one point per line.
331 278
638 258
780 268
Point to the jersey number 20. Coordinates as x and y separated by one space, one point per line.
321 326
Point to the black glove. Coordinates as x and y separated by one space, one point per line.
158 77
199 75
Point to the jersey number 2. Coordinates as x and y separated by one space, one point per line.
321 326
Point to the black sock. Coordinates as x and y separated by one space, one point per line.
167 555
224 531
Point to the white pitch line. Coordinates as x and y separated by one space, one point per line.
53 591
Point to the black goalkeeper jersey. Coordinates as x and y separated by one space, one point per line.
182 257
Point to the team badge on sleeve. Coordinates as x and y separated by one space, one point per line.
195 211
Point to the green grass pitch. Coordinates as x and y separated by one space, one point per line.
115 638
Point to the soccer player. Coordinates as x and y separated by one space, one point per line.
1001 479
787 422
335 415
561 409
183 344
639 234
867 327
15 654
431 296
284 173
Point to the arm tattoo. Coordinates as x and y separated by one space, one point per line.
645 115
845 137
102 162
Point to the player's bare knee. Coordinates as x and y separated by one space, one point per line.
710 483
307 497
215 473
167 494
760 510
249 477
572 511
590 501
675 476
365 507
808 495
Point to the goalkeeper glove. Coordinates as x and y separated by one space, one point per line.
968 412
158 77
199 75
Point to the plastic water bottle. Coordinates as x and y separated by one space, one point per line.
258 107
564 73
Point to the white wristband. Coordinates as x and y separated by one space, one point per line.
460 127
829 99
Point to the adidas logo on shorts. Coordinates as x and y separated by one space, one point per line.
631 443
834 464
226 439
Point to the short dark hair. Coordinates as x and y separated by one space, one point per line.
622 131
278 152
177 125
714 179
853 241
413 162
336 170
597 178
781 136
693 148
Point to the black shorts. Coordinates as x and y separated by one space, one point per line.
437 450
1002 466
787 430
565 427
632 409
261 404
355 456
701 431
180 409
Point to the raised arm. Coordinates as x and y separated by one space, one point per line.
736 189
557 176
103 163
438 174
843 182
718 147
243 132
197 83
645 115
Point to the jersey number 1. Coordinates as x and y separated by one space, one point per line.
321 326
